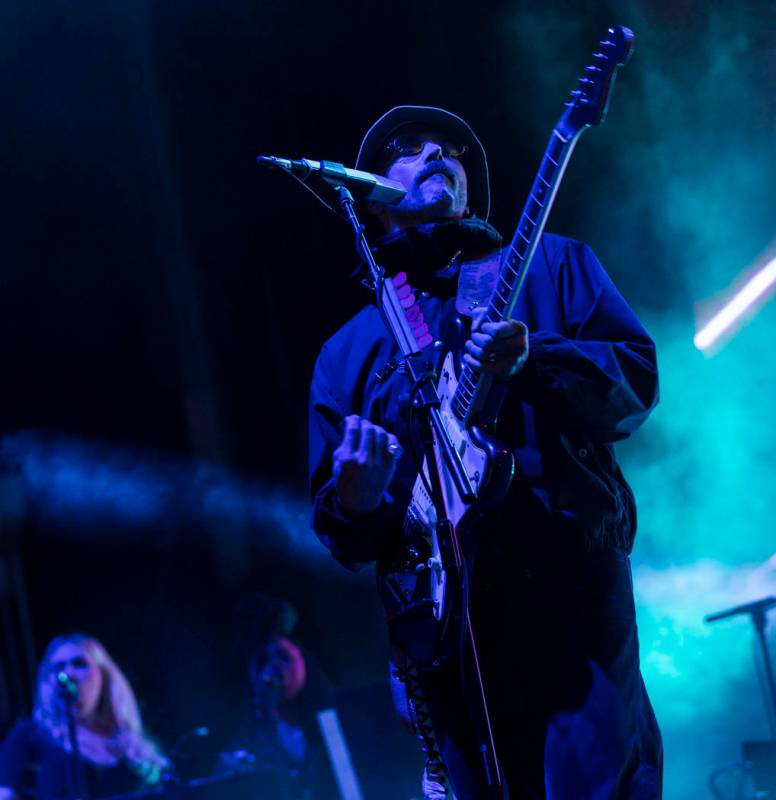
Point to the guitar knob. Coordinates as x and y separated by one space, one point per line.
434 564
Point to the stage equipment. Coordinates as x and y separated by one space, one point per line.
69 694
364 185
760 761
759 756
744 299
339 754
756 609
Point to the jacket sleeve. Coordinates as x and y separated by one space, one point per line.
353 541
600 378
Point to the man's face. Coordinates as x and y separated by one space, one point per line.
435 181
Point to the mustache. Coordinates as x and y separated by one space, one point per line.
433 168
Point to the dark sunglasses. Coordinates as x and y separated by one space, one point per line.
411 144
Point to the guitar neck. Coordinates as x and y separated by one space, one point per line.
516 260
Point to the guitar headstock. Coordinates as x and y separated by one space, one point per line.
589 100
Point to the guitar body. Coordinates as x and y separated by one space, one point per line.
422 588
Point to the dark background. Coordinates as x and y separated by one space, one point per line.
163 300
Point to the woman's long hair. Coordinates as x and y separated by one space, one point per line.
117 712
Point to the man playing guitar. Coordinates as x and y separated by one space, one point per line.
549 592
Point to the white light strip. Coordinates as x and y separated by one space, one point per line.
339 755
728 314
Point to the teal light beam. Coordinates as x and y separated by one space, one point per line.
735 308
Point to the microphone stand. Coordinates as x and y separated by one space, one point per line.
419 371
78 786
756 610
421 374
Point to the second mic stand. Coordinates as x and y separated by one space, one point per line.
757 611
78 786
422 376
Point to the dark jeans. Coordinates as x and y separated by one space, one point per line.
559 655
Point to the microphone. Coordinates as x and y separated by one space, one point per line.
364 185
68 688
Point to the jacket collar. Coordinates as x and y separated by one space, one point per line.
431 254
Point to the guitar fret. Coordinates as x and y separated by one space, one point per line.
499 312
461 411
549 180
466 395
517 253
508 268
466 387
493 315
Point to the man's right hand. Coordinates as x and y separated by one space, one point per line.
364 464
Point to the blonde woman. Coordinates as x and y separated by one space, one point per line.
115 754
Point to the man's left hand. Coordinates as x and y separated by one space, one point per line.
498 348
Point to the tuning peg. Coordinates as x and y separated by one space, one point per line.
585 82
591 68
607 43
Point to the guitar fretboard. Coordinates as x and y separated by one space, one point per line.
516 260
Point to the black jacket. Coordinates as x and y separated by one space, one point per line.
590 380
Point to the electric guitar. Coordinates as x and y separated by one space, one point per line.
423 589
